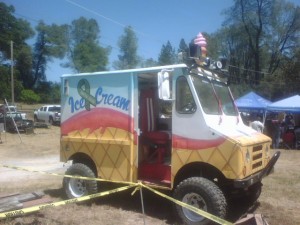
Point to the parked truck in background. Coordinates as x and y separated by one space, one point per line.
13 109
48 113
172 127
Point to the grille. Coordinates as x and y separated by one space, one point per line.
257 156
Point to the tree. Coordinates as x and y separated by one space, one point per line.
51 43
128 43
257 38
282 36
253 15
12 29
285 81
148 63
231 43
84 52
29 96
24 67
17 31
48 92
183 47
5 91
182 52
167 55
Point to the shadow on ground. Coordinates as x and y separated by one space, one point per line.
154 205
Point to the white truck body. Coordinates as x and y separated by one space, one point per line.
185 116
48 113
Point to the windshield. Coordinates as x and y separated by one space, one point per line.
54 109
206 95
214 97
14 115
225 97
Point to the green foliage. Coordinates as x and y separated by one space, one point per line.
51 43
183 47
85 61
239 90
28 96
148 63
5 84
85 54
128 58
12 29
52 39
283 34
55 95
49 92
5 90
16 31
24 66
167 55
82 30
260 40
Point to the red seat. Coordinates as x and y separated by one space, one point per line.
149 115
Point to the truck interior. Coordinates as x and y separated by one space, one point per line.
155 124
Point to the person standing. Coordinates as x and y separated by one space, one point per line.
277 124
257 125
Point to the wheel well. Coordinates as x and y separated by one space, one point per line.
86 160
200 169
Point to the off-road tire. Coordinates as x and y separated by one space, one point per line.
35 119
75 188
196 191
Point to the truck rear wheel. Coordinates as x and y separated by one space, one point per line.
51 122
203 194
74 187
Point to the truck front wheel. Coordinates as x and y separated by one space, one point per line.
75 187
203 194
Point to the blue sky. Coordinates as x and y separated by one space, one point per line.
154 21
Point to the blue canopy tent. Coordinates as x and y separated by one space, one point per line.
252 102
288 105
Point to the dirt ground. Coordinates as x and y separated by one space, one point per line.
279 202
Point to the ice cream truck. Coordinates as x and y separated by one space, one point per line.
171 127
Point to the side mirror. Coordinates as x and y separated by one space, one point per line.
163 80
195 51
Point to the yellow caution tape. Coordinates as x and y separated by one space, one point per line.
22 212
84 198
192 208
64 175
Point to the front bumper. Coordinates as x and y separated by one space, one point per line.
56 119
249 181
